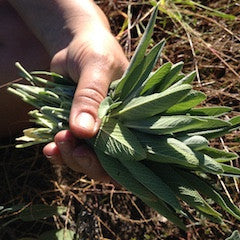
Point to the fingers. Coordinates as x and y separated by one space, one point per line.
93 65
95 77
91 90
79 157
97 64
52 153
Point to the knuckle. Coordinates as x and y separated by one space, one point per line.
104 61
92 94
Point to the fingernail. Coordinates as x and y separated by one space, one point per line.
54 160
86 120
49 157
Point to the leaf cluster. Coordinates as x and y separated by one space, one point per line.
153 139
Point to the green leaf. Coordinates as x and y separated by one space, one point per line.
208 164
209 191
234 236
118 141
149 62
26 97
161 149
204 162
234 171
146 106
137 58
210 134
209 111
58 79
182 188
164 210
169 150
235 121
176 124
45 96
121 174
104 107
115 105
191 100
218 155
195 142
186 79
64 92
170 78
131 80
155 79
213 122
39 211
146 177
62 234
233 124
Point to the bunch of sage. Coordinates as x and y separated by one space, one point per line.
153 140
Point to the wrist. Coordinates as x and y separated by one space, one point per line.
57 22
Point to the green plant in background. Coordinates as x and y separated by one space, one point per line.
164 5
153 140
34 213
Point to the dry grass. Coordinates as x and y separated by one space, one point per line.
98 211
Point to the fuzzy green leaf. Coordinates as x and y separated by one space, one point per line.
209 111
209 191
146 177
195 142
149 62
219 155
186 79
146 106
182 188
208 164
170 78
117 141
191 100
121 174
235 121
176 124
229 170
104 107
155 79
161 149
136 59
234 236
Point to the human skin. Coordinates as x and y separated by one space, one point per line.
17 43
78 41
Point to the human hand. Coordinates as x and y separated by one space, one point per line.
93 59
77 36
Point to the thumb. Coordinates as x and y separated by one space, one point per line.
91 90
